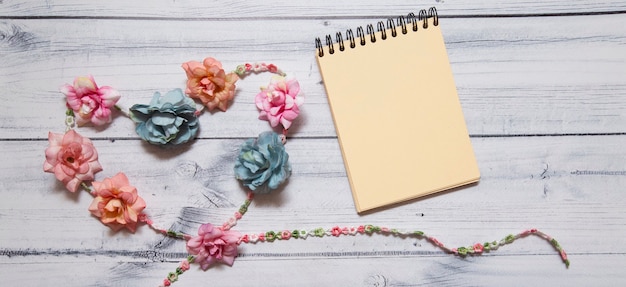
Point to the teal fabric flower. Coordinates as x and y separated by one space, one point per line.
167 120
263 163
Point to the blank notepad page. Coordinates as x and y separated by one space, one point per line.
397 115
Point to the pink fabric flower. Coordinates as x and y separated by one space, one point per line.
478 248
72 158
90 103
336 231
213 245
117 203
208 83
245 238
279 102
286 234
184 265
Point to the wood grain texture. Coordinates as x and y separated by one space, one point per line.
295 9
561 184
560 75
543 93
364 271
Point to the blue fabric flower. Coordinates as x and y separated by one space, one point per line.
167 120
263 163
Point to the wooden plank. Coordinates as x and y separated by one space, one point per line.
522 168
596 270
234 10
560 75
565 184
72 231
560 78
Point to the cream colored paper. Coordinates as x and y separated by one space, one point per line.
398 117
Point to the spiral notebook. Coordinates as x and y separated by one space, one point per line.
396 111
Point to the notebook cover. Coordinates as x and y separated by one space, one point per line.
398 117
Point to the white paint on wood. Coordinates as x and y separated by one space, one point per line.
544 99
560 75
241 9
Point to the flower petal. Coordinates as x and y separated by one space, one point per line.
163 119
168 120
109 96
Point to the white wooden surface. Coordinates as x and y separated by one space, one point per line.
543 88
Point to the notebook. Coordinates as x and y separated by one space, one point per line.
396 110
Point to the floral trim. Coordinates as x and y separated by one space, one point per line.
247 68
182 267
171 119
239 213
336 231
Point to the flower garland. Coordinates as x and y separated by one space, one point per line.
172 119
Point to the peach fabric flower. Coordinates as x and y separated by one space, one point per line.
208 83
279 102
117 203
89 102
72 158
213 244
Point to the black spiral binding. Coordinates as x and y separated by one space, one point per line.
401 25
